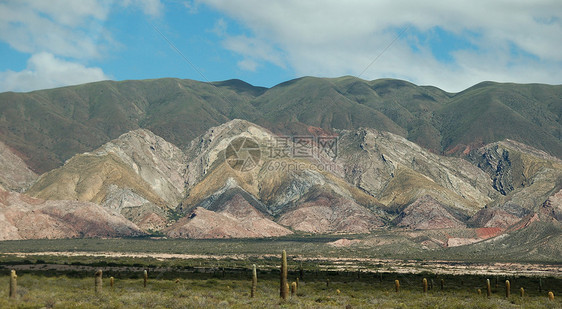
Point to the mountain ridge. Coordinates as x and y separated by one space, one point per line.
49 126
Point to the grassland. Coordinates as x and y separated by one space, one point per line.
232 290
217 274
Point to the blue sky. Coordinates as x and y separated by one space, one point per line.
448 44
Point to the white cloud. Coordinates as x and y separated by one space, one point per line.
64 28
61 36
220 27
46 71
191 6
248 65
333 38
255 48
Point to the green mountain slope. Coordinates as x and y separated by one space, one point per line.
320 103
47 127
50 126
490 112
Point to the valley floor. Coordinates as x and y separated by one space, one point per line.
323 263
216 274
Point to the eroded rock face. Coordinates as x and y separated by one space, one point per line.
553 206
495 161
205 150
14 173
236 219
496 217
524 223
23 217
506 162
525 176
328 213
291 188
138 160
374 174
271 187
161 164
372 160
426 213
145 214
139 175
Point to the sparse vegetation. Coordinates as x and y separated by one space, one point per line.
212 291
227 280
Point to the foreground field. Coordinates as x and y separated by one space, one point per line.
216 274
232 290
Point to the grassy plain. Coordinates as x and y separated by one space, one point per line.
216 274
232 290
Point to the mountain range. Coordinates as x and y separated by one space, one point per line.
182 158
48 127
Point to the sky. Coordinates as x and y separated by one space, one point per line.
448 44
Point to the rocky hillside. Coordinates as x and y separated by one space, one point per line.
234 219
14 173
23 217
293 191
398 172
426 214
139 175
240 180
527 179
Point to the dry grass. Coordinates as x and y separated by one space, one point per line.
37 291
